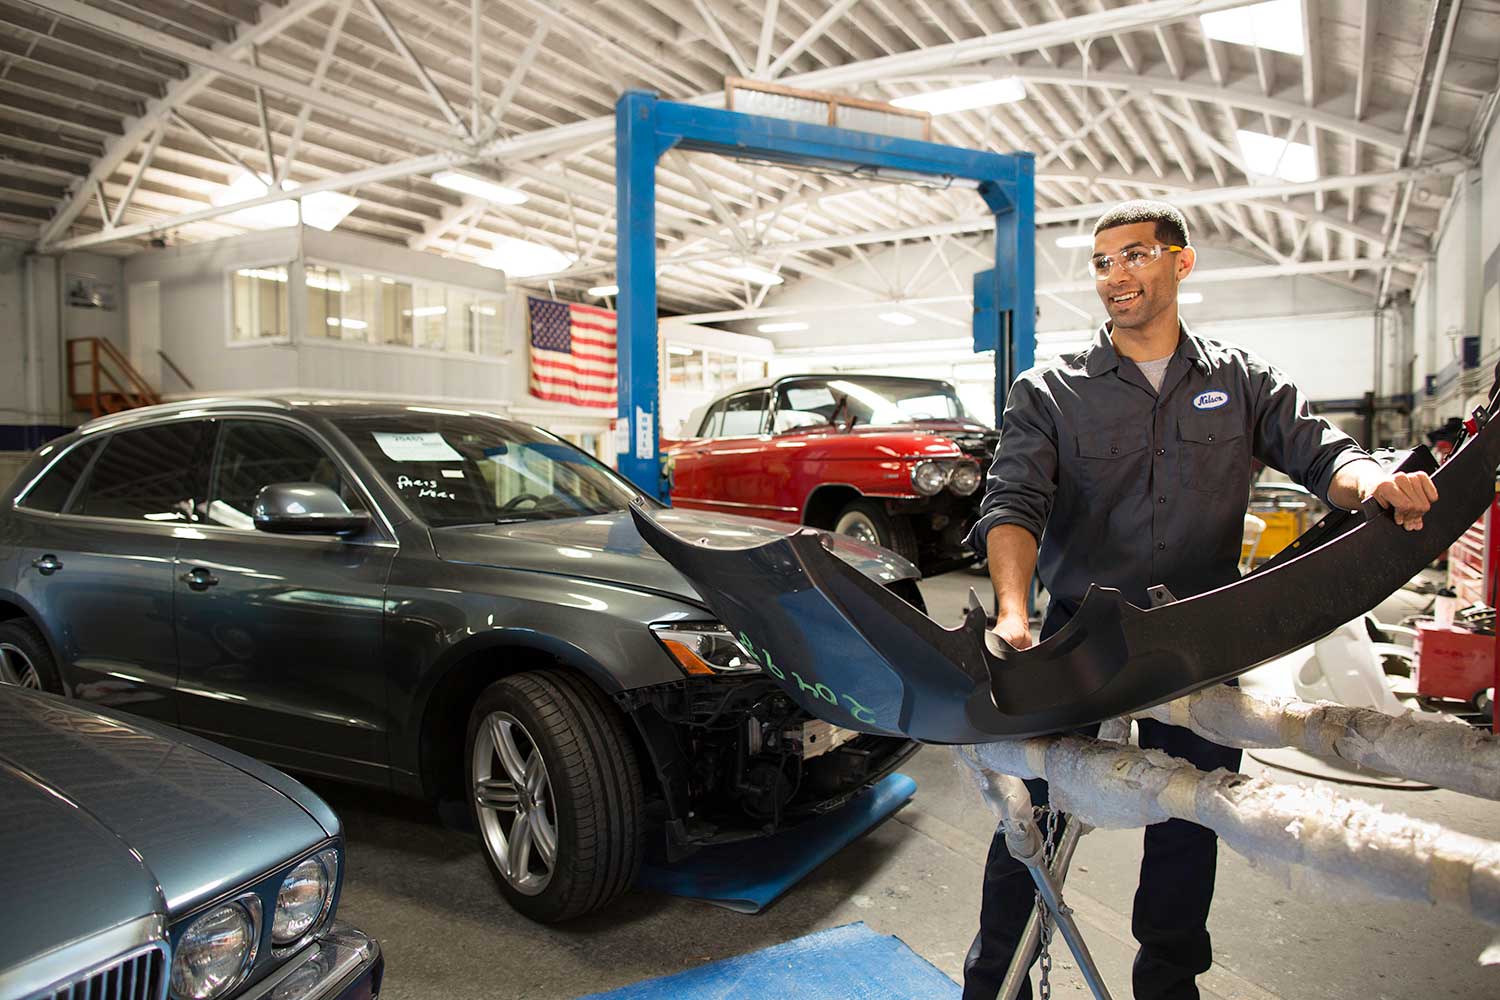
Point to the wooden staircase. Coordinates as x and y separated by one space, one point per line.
108 382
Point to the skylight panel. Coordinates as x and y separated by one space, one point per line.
1276 25
1268 156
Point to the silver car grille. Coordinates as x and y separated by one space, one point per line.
141 975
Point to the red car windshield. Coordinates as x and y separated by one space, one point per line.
865 399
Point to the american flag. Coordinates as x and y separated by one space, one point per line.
572 353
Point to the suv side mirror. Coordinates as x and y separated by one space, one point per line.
305 509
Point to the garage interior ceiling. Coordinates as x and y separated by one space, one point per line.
121 120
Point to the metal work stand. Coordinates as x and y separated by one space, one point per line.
1026 844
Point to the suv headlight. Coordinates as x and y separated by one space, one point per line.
303 897
928 477
704 648
965 478
217 949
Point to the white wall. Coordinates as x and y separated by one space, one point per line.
37 323
679 403
1458 294
1320 334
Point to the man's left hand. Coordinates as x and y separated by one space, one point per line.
1410 494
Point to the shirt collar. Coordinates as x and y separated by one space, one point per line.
1102 357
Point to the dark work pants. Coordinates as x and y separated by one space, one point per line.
1171 901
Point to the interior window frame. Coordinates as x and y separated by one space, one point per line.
105 440
379 531
764 413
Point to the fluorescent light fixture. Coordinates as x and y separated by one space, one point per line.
264 274
781 327
347 324
276 215
754 275
525 259
1189 298
898 318
426 311
1075 241
327 284
680 351
479 187
1274 25
483 310
600 291
322 210
1005 90
1269 156
326 209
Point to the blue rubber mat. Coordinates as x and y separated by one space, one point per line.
846 963
750 875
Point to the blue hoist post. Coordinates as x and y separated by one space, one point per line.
646 127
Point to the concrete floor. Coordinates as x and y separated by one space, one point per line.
425 892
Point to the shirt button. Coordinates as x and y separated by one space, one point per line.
1210 437
1114 450
1161 451
1161 545
1161 499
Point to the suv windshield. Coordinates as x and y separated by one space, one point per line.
453 468
865 399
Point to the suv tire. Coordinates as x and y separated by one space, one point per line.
868 521
582 795
26 659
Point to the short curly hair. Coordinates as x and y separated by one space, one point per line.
1171 224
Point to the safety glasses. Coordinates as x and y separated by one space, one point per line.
1131 258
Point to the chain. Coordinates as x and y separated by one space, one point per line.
1049 851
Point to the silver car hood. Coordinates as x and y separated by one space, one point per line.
116 809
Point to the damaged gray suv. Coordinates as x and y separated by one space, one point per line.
430 600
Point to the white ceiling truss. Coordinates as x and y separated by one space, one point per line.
121 119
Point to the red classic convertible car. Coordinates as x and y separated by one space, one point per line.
894 461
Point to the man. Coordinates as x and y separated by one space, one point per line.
1128 465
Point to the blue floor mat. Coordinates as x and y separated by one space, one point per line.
749 875
845 963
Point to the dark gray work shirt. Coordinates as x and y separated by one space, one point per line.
1127 487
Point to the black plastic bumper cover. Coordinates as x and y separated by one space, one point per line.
850 652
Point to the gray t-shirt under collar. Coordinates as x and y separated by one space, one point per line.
1155 371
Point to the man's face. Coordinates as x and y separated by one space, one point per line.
1135 298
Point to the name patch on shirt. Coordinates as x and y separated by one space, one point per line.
1211 400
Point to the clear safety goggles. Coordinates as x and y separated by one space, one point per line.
1131 258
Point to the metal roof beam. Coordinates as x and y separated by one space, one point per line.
178 93
215 60
1235 95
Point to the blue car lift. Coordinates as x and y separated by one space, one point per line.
646 127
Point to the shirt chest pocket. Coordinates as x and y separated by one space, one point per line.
1214 453
1113 463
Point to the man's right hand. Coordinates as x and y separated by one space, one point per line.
1014 629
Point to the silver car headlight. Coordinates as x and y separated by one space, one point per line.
929 477
965 478
217 949
303 897
704 648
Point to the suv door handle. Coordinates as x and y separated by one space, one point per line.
199 578
47 564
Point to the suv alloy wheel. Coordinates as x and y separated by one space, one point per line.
555 790
25 659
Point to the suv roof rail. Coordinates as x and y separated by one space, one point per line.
180 406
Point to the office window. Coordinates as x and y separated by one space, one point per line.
325 302
259 304
369 308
